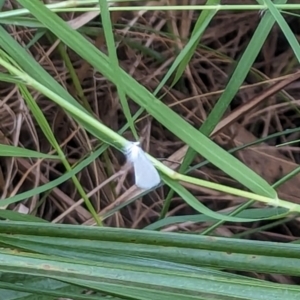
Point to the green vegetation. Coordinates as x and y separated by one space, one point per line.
77 85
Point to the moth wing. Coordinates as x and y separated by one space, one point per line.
146 176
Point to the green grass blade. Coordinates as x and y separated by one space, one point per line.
258 213
13 151
16 216
50 185
198 206
108 32
155 263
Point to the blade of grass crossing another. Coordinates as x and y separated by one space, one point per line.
156 108
198 206
107 27
290 36
250 54
232 88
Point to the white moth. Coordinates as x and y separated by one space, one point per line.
146 176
